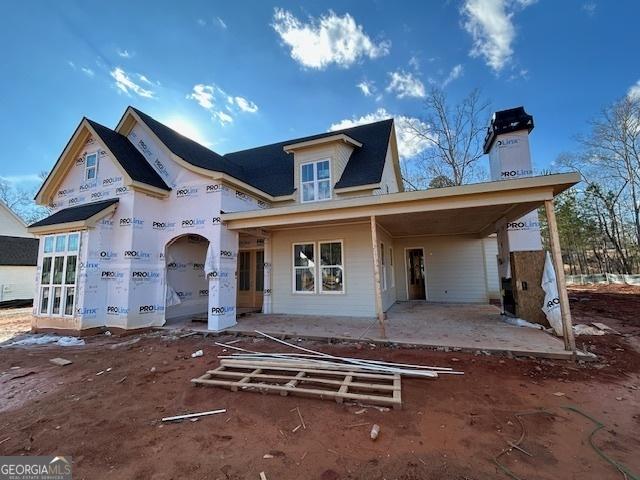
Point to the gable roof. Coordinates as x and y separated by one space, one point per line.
75 214
269 168
128 156
18 251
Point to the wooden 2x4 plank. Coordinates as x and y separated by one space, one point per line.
304 367
385 400
302 377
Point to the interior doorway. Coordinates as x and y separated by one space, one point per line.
416 287
250 282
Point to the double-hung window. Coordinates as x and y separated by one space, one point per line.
304 268
91 166
328 268
58 276
315 181
331 267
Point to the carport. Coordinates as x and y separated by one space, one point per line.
471 211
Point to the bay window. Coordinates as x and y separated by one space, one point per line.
315 181
58 276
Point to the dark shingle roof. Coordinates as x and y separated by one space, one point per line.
75 214
132 161
269 168
18 251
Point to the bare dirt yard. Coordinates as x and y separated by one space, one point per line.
449 428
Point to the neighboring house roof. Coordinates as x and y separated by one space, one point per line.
128 156
18 251
269 168
76 214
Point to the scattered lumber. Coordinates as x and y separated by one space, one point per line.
61 362
338 385
315 374
193 415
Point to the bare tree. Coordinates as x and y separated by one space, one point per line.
455 134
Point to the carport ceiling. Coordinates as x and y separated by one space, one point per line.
463 221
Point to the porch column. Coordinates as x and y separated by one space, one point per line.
266 299
376 274
222 280
554 241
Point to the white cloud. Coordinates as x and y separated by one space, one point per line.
202 22
490 23
367 88
456 72
125 84
246 105
87 71
404 84
203 94
329 39
224 117
18 179
221 23
409 144
634 91
222 106
124 53
414 62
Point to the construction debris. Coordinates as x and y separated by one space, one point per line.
61 362
339 378
375 431
197 353
193 415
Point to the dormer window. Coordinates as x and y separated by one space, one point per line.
91 166
315 181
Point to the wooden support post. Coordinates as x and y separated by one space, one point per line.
558 265
376 274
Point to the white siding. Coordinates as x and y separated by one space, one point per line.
10 225
454 268
358 299
388 183
490 245
17 282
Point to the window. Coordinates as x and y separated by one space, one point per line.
91 166
259 270
393 273
383 268
331 270
244 271
59 272
304 268
315 181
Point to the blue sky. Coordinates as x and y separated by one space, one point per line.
240 74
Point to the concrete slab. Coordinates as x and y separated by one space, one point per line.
455 326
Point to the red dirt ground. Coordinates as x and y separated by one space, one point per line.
449 428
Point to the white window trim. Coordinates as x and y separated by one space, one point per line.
383 267
393 273
87 167
294 268
316 181
341 266
63 285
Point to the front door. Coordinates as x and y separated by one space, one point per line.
415 274
250 279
